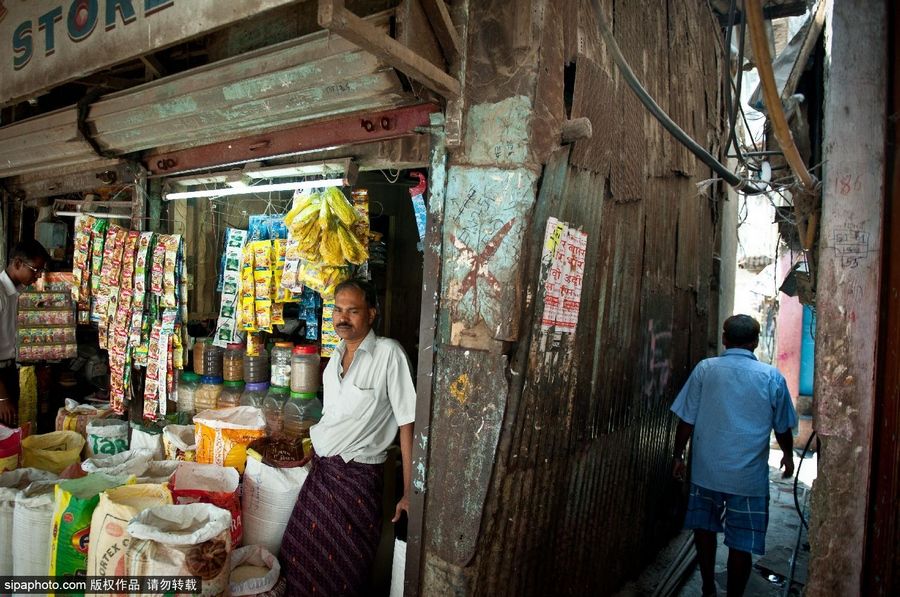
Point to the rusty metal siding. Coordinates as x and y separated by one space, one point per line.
581 493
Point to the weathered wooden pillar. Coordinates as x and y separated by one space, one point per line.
848 291
491 178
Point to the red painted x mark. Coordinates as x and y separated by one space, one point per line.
480 260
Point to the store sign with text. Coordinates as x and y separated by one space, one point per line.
49 42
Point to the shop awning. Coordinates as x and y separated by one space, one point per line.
313 78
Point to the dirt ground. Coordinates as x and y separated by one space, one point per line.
771 571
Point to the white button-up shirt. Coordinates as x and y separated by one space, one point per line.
9 302
363 409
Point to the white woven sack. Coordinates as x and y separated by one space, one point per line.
268 498
33 529
11 484
107 436
254 555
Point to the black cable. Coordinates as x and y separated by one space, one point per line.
670 125
797 476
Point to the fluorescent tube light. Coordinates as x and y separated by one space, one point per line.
92 214
261 188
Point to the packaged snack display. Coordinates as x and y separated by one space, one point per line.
46 321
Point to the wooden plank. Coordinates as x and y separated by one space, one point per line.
443 28
334 17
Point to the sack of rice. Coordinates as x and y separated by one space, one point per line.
129 462
222 435
255 571
144 437
107 436
52 451
158 471
109 535
11 485
76 500
33 529
267 500
188 540
210 484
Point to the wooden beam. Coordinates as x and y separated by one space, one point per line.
443 27
334 17
154 66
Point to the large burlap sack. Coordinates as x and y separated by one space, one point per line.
11 485
33 529
210 484
10 448
109 534
179 442
52 451
75 417
130 462
222 435
76 500
254 571
147 438
267 500
158 472
107 436
189 540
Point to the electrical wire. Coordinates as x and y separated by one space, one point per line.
744 185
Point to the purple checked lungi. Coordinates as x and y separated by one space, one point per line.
331 539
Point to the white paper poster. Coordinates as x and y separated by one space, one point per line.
562 266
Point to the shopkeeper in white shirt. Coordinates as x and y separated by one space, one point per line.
330 542
26 264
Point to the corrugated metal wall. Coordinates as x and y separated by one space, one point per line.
581 495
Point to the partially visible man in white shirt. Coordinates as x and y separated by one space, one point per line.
26 264
330 542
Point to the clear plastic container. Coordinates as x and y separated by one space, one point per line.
254 394
281 364
273 406
305 375
300 413
212 360
200 346
231 394
233 363
186 390
207 395
256 368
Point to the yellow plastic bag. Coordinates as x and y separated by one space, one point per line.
52 451
222 435
27 395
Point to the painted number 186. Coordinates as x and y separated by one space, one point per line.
845 183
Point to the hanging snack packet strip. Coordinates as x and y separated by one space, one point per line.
248 293
81 271
151 381
98 240
110 270
139 300
119 363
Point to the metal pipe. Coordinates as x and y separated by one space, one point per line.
758 40
742 184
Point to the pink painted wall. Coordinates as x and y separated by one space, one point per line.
789 325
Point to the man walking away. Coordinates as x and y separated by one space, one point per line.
729 407
26 264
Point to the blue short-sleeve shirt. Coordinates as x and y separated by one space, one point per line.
734 402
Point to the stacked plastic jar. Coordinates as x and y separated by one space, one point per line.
256 368
200 346
281 364
233 363
300 413
273 406
231 394
212 361
207 395
305 377
186 390
254 394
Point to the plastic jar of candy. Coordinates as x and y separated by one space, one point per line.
212 360
272 408
254 394
281 364
200 346
186 390
233 363
231 394
207 395
256 368
305 376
